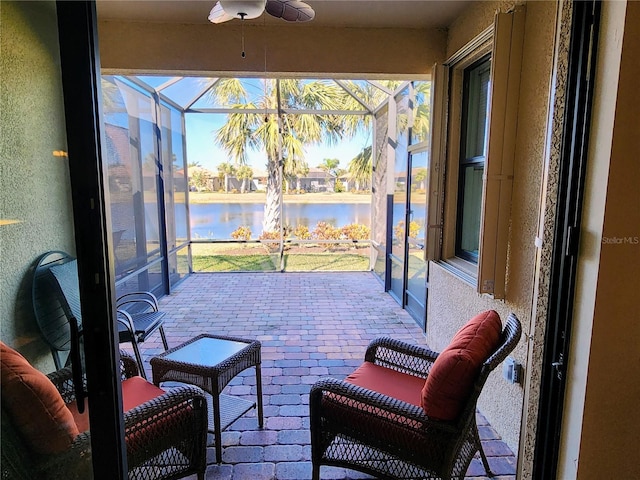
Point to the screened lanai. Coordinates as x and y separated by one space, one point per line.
216 174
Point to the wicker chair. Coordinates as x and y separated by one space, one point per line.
165 437
360 429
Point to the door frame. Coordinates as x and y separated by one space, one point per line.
566 235
80 65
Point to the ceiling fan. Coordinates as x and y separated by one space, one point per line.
289 10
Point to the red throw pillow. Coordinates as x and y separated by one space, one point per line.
34 404
455 370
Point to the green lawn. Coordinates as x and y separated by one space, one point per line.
312 262
233 263
293 263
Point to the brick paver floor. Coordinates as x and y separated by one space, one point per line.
311 325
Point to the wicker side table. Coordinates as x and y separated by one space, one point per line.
211 362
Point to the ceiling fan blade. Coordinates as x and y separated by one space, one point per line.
218 15
290 10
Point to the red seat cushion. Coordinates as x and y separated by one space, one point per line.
35 405
135 391
389 382
378 426
455 370
142 438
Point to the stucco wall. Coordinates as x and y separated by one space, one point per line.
473 21
216 48
451 301
34 184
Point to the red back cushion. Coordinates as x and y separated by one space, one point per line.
455 370
35 405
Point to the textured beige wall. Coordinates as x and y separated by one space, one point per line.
451 301
34 184
216 48
600 429
475 20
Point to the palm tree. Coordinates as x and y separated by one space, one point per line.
198 180
338 186
420 175
282 137
224 170
421 110
360 167
244 173
330 165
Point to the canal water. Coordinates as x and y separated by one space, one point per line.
218 220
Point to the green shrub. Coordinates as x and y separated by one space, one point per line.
356 231
302 232
324 231
414 229
269 236
241 233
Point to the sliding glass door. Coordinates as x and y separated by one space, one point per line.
146 169
407 265
416 272
399 210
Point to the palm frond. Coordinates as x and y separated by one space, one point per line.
228 91
360 165
238 135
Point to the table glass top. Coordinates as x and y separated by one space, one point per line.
206 351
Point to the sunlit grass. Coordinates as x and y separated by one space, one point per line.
292 263
255 257
233 263
326 262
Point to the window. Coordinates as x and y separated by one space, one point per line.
475 104
483 82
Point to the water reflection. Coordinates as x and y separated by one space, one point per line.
218 220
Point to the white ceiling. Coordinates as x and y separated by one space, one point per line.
339 13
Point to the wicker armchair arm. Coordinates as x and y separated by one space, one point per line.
369 402
63 379
178 419
128 366
60 377
398 355
164 405
79 465
175 419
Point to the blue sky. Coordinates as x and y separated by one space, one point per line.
201 148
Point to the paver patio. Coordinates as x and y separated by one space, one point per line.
310 325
